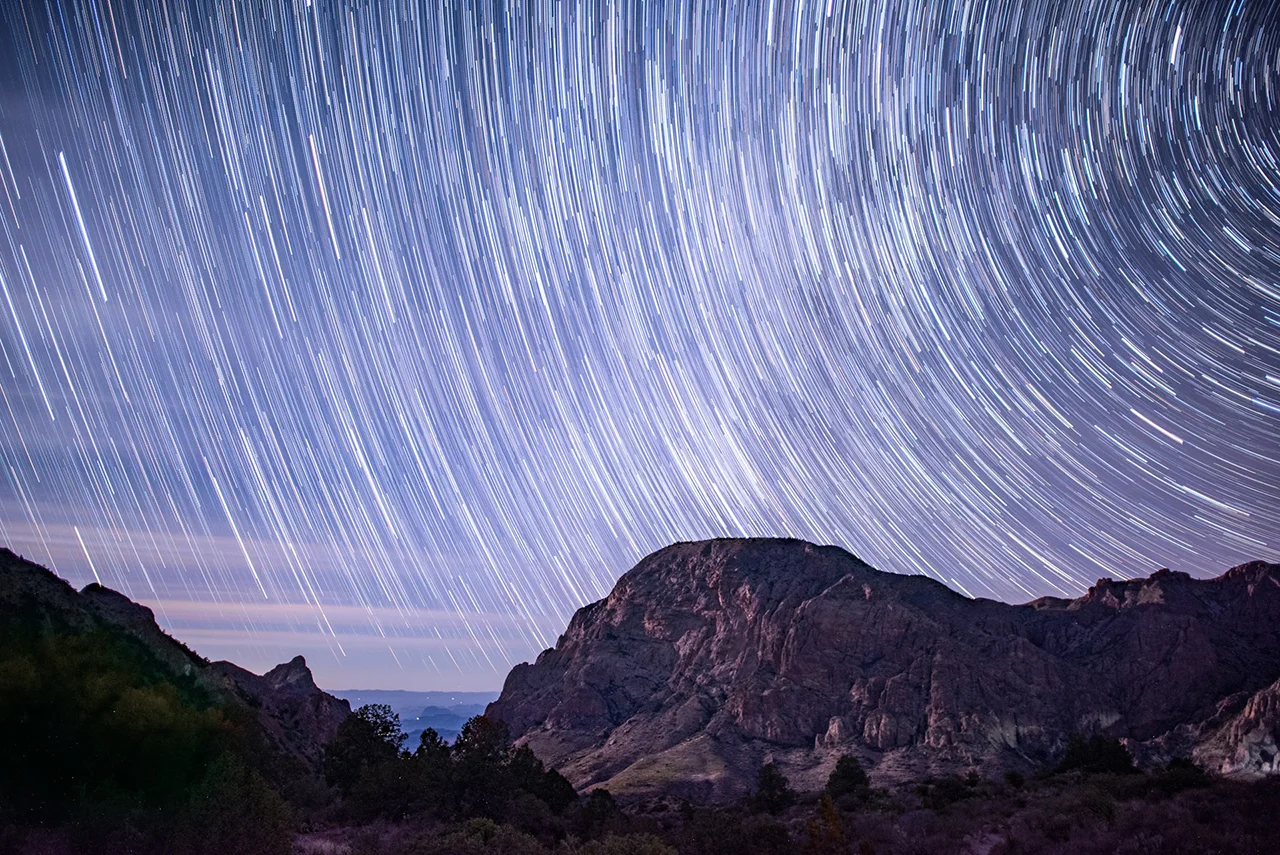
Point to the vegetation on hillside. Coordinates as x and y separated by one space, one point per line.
106 749
1095 801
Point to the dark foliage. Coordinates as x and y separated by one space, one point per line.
112 751
826 830
773 791
940 793
847 778
368 738
1096 754
596 815
549 786
482 776
97 726
727 831
233 811
1180 774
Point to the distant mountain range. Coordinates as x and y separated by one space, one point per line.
444 712
708 659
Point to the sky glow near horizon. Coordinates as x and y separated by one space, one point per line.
392 332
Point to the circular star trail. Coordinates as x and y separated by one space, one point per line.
410 326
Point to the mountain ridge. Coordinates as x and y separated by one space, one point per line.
295 715
709 657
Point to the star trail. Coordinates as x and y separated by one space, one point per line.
392 332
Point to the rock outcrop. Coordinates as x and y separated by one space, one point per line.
295 715
708 658
298 716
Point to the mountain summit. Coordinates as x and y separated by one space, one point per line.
709 658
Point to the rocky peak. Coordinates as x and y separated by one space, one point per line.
707 657
1253 572
297 715
292 677
1127 593
114 607
33 589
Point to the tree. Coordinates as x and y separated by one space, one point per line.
530 775
847 777
1097 754
826 831
484 740
368 737
431 747
596 815
482 776
233 811
773 791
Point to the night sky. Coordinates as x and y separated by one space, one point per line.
391 332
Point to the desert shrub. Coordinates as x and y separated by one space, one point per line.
478 837
766 836
826 830
1178 775
938 794
714 832
626 844
1090 802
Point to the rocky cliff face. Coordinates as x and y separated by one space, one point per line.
296 716
709 658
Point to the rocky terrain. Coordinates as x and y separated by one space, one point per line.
710 658
296 716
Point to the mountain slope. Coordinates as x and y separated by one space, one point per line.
709 657
295 716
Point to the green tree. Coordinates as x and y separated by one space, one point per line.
233 811
368 737
482 777
432 771
596 815
483 740
847 778
480 837
548 785
431 747
1096 755
97 722
773 791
